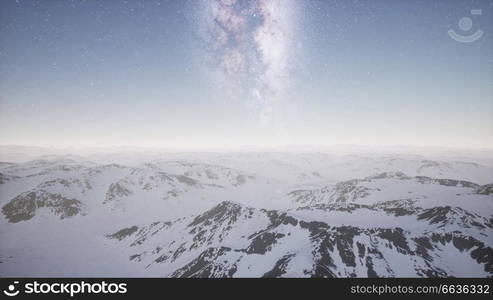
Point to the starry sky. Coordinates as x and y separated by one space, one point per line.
227 73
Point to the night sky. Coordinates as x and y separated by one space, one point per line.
227 73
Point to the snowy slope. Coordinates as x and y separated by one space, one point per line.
231 240
247 214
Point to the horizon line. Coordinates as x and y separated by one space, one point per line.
249 147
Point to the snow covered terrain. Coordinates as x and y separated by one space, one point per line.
246 214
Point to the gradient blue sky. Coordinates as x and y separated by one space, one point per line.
230 73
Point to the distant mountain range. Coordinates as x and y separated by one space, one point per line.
246 214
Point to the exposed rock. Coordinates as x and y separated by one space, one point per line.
25 206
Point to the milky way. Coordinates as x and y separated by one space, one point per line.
225 73
249 46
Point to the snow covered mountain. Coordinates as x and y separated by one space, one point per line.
250 214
